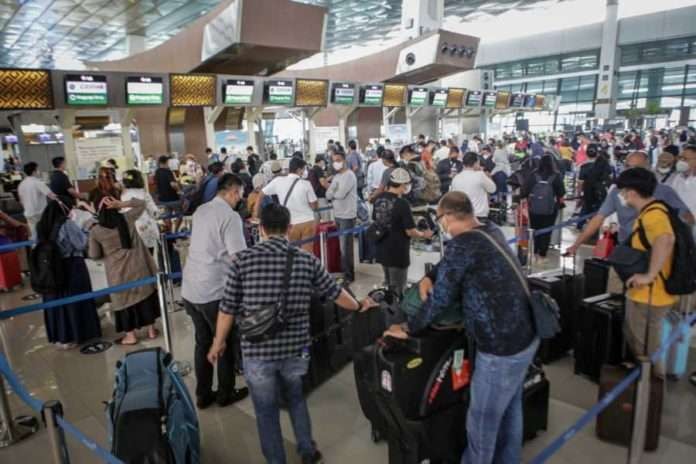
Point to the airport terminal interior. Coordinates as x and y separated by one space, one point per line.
157 155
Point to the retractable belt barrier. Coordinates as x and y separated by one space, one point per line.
38 407
611 396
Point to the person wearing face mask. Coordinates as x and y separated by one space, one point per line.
480 273
216 237
343 193
393 213
666 168
476 183
614 203
647 300
34 195
295 193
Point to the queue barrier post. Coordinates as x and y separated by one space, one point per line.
322 248
56 436
166 262
530 250
13 429
162 297
640 412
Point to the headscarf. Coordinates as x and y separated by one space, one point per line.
53 217
112 219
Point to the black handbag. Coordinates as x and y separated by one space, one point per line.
265 322
628 261
376 233
546 315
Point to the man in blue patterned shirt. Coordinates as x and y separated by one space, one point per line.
255 279
476 274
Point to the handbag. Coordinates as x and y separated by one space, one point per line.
628 261
546 314
265 322
604 246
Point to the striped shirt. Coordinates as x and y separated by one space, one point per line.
255 279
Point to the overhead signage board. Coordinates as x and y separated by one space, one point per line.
539 102
418 96
86 90
517 100
192 90
25 89
144 90
502 100
238 92
489 99
455 97
530 101
343 93
394 95
371 95
311 92
279 92
438 97
474 98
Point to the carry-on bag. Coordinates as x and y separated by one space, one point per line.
10 268
677 356
535 402
596 272
333 247
615 423
151 418
600 337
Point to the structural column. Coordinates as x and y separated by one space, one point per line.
606 87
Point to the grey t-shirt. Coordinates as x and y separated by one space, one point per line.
627 215
343 193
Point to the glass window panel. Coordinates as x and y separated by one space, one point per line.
651 52
690 101
623 104
651 81
517 87
570 63
626 85
551 87
586 89
535 87
535 68
690 87
551 66
673 82
502 71
516 70
670 102
630 55
587 62
677 49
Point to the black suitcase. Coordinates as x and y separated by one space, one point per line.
596 272
535 402
367 384
600 338
367 249
615 423
567 290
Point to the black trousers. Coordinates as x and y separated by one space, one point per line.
541 221
204 317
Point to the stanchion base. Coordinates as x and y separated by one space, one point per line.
184 368
177 306
22 427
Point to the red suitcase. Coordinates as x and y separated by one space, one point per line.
333 247
10 273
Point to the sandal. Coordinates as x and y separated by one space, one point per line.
120 342
153 334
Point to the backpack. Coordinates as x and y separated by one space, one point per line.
382 214
151 417
194 198
46 269
431 192
542 199
682 280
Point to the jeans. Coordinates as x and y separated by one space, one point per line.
264 379
396 279
204 317
494 420
346 243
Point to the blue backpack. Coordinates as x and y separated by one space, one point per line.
151 418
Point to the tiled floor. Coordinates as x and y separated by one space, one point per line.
83 382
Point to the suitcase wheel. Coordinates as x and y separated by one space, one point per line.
376 435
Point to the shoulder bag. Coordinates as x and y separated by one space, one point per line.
264 323
546 314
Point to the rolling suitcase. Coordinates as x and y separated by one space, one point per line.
677 356
10 268
615 423
596 272
535 402
600 338
367 385
567 290
333 248
151 418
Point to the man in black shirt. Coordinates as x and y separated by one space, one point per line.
595 179
448 168
60 182
317 177
480 273
253 161
167 187
393 213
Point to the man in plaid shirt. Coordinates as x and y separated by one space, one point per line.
255 280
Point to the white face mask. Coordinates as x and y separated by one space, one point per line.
682 166
407 190
623 201
337 165
305 174
664 170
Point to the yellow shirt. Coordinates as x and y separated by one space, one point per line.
566 152
655 223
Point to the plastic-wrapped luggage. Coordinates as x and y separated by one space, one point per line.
10 268
333 247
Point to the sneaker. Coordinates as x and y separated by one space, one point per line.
237 394
204 402
315 458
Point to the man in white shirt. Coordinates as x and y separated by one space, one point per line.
297 195
33 194
684 182
375 171
475 183
442 152
217 235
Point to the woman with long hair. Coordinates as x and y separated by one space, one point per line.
146 224
74 323
107 186
115 240
545 181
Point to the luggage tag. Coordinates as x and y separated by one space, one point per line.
461 371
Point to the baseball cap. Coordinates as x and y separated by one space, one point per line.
400 176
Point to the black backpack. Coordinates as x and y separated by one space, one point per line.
682 280
46 268
194 199
542 199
